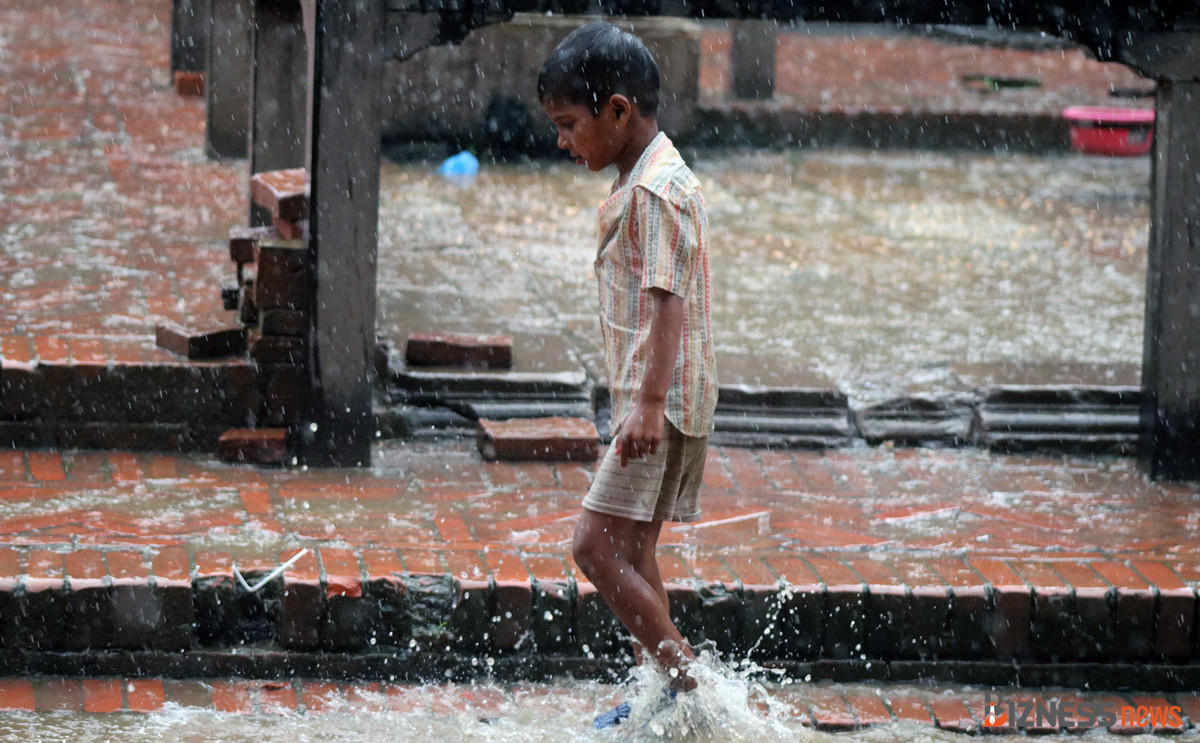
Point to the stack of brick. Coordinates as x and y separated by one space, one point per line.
273 305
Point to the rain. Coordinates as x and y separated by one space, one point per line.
918 277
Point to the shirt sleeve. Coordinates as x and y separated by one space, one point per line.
669 233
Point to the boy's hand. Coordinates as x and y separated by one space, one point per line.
641 432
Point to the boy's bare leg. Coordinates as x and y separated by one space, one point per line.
617 556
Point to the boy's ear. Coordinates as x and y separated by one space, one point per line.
620 106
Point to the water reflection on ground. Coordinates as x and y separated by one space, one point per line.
881 270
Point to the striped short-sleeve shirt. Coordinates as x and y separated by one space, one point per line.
654 233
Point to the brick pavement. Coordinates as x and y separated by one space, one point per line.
901 556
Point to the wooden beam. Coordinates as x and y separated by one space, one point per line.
753 59
189 35
279 92
1171 357
227 85
347 43
1170 420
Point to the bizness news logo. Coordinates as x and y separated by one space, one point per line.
1001 712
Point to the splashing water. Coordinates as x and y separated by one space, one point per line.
727 705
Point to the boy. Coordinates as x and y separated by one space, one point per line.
600 89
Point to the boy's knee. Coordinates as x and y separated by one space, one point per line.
584 551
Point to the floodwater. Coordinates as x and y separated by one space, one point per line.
728 707
882 271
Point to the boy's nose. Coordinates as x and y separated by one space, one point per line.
562 142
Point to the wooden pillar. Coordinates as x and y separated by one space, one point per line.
189 35
227 84
344 164
753 59
1170 442
279 92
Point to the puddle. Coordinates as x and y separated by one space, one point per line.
880 270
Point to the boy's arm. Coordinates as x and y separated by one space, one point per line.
642 430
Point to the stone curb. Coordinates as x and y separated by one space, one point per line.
855 613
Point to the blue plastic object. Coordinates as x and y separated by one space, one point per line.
464 163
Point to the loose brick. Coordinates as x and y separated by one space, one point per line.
257 445
282 279
282 192
200 344
555 439
279 349
288 230
286 395
276 321
459 349
189 83
243 242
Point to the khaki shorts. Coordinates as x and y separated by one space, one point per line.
664 486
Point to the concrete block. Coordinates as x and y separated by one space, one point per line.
200 344
552 439
459 349
256 445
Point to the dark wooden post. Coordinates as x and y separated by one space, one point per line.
752 58
189 35
279 92
343 169
1170 444
227 85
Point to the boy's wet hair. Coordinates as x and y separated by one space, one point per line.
594 63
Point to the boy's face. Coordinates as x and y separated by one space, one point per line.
594 141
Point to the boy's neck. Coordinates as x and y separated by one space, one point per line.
642 133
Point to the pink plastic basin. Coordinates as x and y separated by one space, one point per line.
1119 132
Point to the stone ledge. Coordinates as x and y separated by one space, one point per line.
834 624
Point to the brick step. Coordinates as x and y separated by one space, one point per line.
344 600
